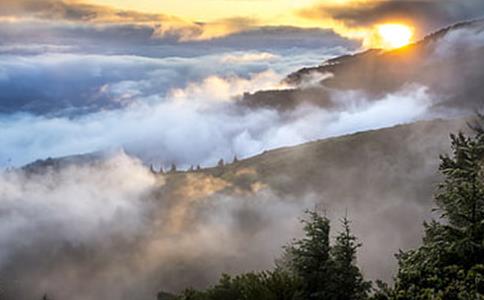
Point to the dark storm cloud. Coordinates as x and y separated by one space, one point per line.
428 15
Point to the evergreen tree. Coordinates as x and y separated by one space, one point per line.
251 286
309 269
221 163
173 168
450 263
348 283
461 198
310 257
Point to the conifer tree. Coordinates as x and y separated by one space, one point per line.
348 283
450 263
221 163
310 257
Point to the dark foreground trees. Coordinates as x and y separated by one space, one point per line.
450 263
347 279
311 269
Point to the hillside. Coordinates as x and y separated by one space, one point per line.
383 178
448 62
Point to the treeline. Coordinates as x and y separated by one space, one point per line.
449 265
173 168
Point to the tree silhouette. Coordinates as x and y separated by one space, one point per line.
347 278
450 263
221 163
310 257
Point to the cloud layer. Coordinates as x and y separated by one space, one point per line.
201 124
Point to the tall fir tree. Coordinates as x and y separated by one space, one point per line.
450 263
310 257
348 282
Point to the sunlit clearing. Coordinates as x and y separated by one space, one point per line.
394 35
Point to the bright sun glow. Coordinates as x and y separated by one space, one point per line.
394 35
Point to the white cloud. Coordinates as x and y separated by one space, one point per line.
242 58
201 128
79 204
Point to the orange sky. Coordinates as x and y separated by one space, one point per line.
209 10
261 12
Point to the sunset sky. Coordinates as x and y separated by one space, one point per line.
211 10
202 20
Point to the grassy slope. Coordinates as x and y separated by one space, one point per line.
384 178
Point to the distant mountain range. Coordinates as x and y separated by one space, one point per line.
450 64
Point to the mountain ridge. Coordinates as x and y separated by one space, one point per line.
377 73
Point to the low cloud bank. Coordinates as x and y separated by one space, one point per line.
111 230
200 124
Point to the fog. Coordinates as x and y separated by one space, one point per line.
111 230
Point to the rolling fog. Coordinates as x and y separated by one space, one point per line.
107 231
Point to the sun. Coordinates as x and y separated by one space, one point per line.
393 35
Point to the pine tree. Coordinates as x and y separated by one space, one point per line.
450 263
348 283
173 168
221 163
460 198
310 257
